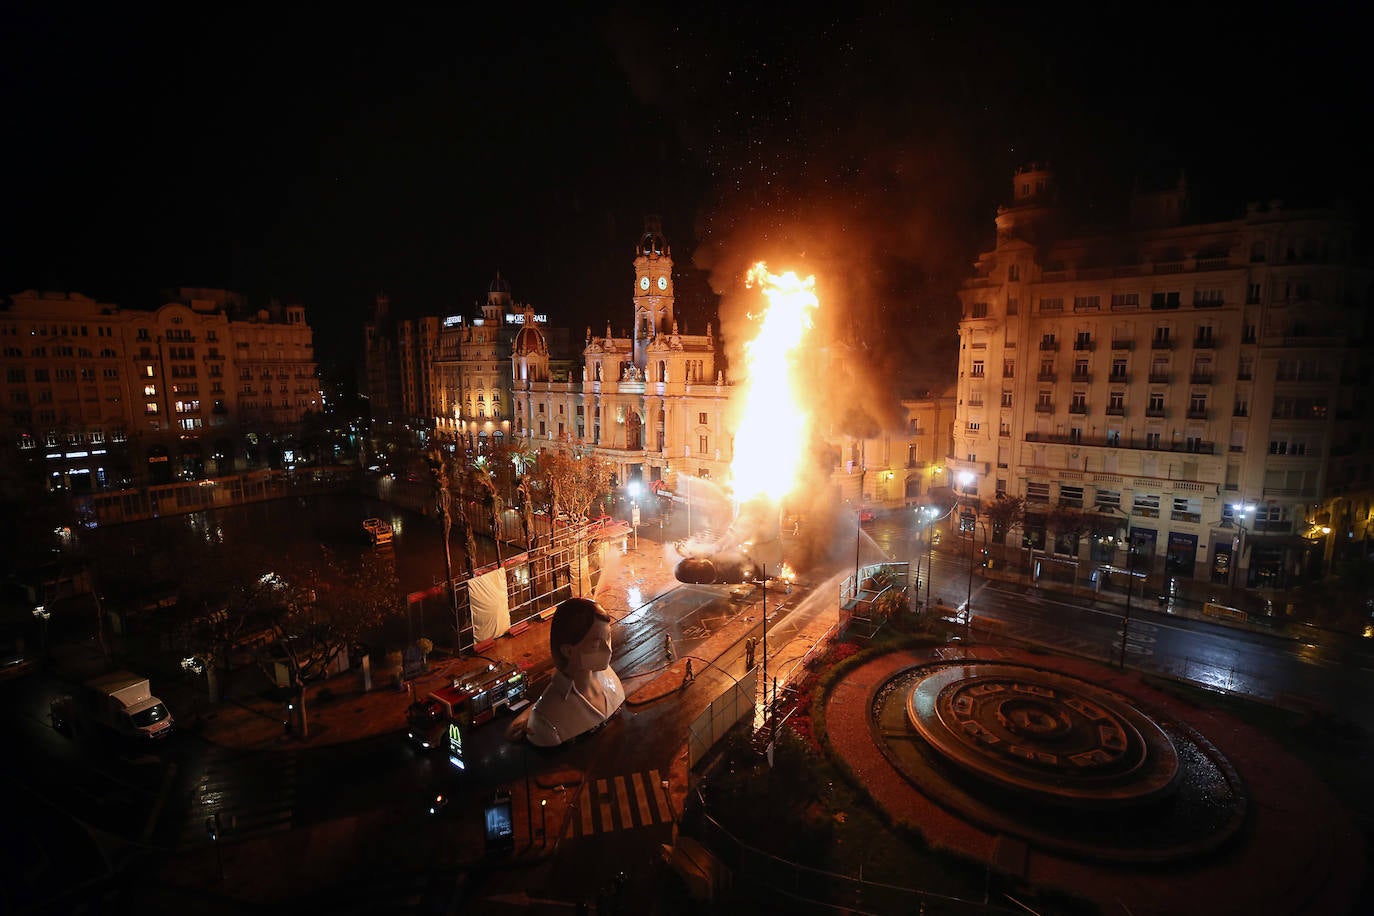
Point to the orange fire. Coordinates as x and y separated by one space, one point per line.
771 435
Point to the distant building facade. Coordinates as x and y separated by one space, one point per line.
111 396
1203 384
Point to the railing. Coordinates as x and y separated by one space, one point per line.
1208 303
1045 377
1082 376
1116 411
1212 263
1081 409
1158 378
1044 408
1273 527
1154 411
1204 343
1196 447
1194 517
1083 346
1123 345
1197 413
1161 343
1049 345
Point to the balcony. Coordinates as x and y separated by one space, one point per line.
1204 343
1119 378
1208 303
1196 447
1159 378
1052 345
1045 377
1197 413
1123 345
1245 376
1161 343
1081 376
1154 412
1212 263
1201 378
1116 411
1044 408
1083 346
1275 527
1194 517
1080 409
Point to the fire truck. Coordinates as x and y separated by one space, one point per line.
472 698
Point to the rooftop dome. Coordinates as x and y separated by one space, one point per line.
529 339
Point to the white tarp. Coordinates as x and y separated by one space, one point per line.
490 605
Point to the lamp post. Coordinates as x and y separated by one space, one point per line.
929 513
1130 581
966 480
1239 510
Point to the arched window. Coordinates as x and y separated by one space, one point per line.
662 370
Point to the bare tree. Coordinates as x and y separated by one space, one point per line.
1005 513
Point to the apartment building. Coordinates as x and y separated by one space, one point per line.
1202 384
108 396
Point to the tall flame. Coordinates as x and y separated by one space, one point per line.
771 435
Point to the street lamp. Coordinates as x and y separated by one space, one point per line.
1239 510
929 512
1131 543
966 480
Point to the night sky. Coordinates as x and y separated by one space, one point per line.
324 156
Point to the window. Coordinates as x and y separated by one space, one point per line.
978 310
1245 370
1152 440
1006 399
1080 368
1118 368
1108 499
702 443
701 418
1037 492
1048 342
1078 402
1070 496
977 368
1208 298
1009 368
64 375
15 375
1162 334
1014 272
1252 294
1165 300
1083 340
1116 400
1156 400
1044 398
974 426
1241 408
1052 304
1087 303
1197 403
1126 300
1146 504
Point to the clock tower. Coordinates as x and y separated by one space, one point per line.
653 292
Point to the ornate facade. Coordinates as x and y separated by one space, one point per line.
652 401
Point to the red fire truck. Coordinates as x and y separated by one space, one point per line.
471 698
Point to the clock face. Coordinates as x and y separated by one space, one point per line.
662 282
643 282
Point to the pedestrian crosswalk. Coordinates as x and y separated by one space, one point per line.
251 795
624 802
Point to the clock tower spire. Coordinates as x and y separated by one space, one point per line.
653 292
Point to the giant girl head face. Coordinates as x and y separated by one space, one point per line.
580 636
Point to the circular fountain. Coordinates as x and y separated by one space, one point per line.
1060 762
